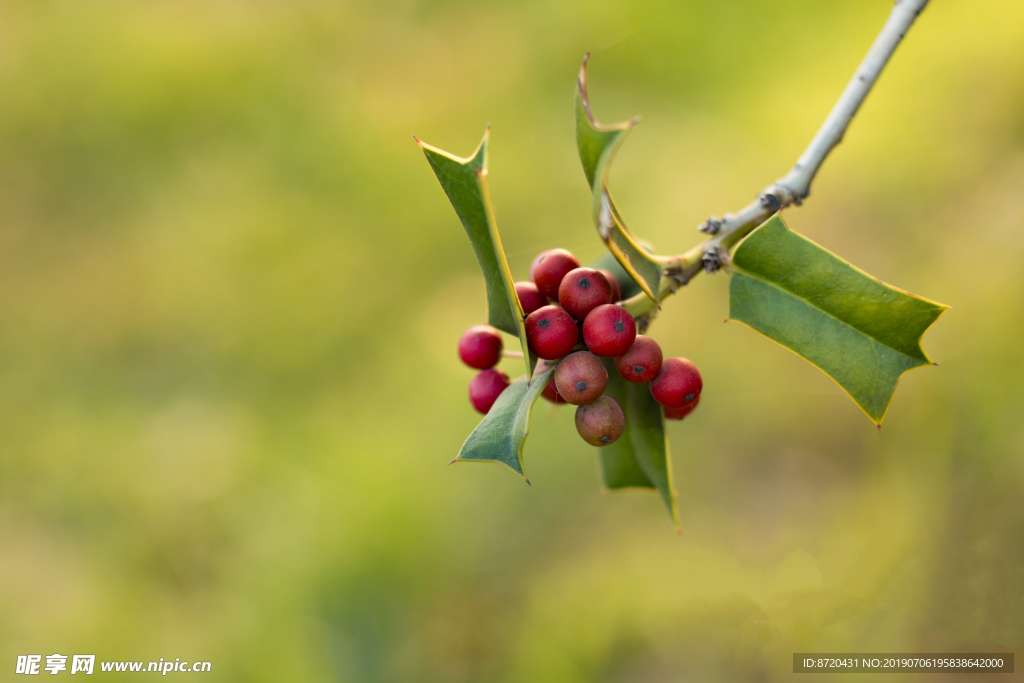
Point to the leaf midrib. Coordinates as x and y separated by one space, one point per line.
878 341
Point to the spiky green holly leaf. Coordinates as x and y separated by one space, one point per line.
640 458
500 436
465 183
597 145
861 332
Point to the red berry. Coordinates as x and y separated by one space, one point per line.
642 362
678 383
680 413
609 330
580 378
480 347
614 282
485 388
548 269
601 422
550 332
529 297
551 392
582 290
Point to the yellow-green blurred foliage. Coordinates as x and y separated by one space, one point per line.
231 291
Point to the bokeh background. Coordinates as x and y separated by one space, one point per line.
231 291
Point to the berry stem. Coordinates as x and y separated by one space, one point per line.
713 254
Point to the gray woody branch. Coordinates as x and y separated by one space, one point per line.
796 185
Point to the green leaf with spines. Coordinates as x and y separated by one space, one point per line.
597 146
860 331
465 183
640 457
500 436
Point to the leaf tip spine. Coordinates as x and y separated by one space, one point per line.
454 460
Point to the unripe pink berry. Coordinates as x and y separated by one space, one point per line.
601 422
548 269
530 297
485 388
642 362
614 282
609 330
551 392
582 290
480 347
677 383
680 413
580 378
550 332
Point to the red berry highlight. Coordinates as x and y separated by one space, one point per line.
601 422
609 331
642 362
485 388
530 297
550 332
680 413
581 378
582 290
677 383
551 392
480 347
614 282
548 269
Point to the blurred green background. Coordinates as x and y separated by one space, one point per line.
231 291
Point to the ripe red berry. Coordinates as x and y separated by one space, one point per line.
550 332
601 422
580 378
551 392
609 330
642 362
680 413
485 388
582 290
677 383
614 282
548 269
530 297
480 347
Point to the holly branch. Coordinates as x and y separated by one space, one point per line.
863 333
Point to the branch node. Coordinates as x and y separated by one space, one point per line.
679 278
711 226
712 260
769 201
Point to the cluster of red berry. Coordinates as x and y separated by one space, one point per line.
586 308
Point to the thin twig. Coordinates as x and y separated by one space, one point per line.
796 185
